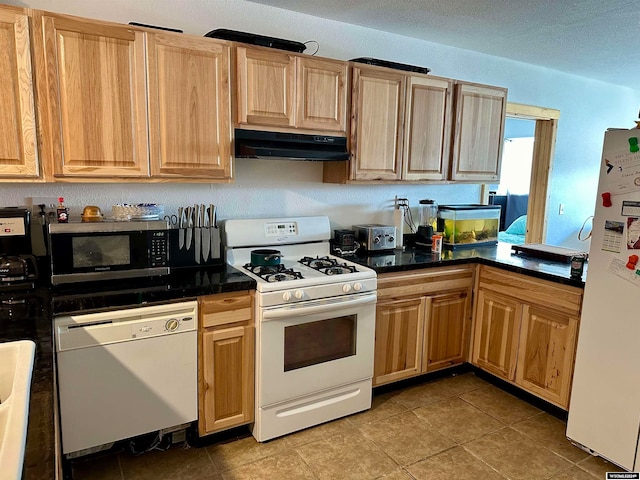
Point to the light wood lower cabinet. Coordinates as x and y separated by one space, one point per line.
422 321
225 361
399 334
525 331
447 329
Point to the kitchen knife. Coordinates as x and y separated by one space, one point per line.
197 232
212 237
206 234
189 226
180 228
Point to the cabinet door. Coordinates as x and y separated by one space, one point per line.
266 87
189 106
546 352
427 129
322 96
446 333
478 134
97 98
18 141
227 378
398 345
376 133
496 331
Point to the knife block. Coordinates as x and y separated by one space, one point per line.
187 255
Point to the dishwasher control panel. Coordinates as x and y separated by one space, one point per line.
85 330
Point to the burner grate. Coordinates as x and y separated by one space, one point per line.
328 266
274 273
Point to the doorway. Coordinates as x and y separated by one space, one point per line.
546 125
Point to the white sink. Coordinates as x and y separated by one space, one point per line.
16 365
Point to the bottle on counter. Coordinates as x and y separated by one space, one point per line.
62 211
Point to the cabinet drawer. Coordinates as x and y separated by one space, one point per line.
423 282
549 294
226 308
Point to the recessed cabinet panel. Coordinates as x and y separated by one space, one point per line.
98 113
546 353
398 345
322 99
266 87
477 143
18 141
189 106
379 106
497 326
428 129
447 331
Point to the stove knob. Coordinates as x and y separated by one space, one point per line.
357 286
346 288
376 239
298 294
286 296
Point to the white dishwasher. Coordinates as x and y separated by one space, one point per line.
125 373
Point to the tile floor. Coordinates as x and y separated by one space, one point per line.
457 427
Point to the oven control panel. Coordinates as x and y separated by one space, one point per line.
280 229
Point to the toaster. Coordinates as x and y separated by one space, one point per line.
375 237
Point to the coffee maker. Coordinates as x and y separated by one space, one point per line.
18 265
428 222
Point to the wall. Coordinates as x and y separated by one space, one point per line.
276 188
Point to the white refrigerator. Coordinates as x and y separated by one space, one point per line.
604 410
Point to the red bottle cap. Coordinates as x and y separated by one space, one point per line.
60 199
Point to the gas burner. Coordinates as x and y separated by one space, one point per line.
328 266
274 273
282 276
339 270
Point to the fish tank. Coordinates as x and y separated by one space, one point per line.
469 225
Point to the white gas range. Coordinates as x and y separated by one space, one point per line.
315 323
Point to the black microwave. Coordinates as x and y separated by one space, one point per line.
94 251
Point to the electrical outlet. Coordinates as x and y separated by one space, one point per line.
561 209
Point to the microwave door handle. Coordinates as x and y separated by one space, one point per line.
310 308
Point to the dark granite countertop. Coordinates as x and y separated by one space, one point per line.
32 320
499 255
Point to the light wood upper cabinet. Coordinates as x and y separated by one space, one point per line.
478 133
377 97
189 106
427 129
266 87
321 94
95 80
285 91
225 361
18 139
411 127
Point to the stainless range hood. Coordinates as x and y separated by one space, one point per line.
291 146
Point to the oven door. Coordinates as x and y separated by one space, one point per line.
313 346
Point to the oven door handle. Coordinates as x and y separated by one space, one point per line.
320 306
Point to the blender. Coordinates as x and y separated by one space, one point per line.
428 222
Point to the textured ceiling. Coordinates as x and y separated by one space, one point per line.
598 39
